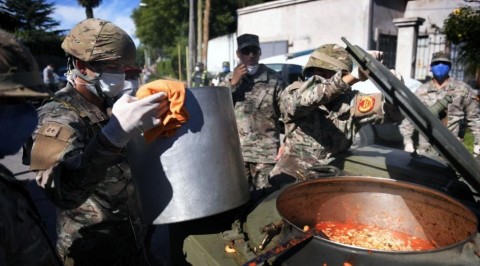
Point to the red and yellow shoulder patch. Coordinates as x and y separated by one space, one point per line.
366 104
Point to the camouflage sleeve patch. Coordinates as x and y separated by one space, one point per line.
50 143
367 105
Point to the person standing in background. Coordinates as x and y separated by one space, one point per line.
49 77
221 76
200 76
463 107
255 91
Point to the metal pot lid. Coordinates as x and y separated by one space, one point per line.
424 121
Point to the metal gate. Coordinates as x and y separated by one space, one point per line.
388 44
427 44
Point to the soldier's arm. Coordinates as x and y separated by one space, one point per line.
68 169
300 100
473 116
374 109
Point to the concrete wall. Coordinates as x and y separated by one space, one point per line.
219 50
433 11
307 24
383 14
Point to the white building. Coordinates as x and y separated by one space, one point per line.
396 27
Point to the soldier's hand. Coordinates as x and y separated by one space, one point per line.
409 147
280 152
239 72
361 74
376 54
358 73
132 117
398 75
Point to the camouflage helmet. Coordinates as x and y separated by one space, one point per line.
330 56
19 73
96 40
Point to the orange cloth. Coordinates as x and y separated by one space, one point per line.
175 116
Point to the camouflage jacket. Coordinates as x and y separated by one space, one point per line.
321 119
24 240
83 174
464 107
255 102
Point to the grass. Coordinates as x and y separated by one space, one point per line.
468 140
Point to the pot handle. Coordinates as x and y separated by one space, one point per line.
319 171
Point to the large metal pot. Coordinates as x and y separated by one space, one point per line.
199 171
395 205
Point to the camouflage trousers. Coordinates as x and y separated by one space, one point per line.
257 174
106 244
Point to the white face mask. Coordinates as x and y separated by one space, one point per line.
111 84
252 69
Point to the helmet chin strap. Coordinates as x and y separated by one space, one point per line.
92 81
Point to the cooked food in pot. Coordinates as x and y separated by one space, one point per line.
373 237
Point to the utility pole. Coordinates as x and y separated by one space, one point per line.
206 22
199 30
191 41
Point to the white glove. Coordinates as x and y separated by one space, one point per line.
476 150
361 74
358 73
409 147
131 117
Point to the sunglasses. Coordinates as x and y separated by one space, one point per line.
250 49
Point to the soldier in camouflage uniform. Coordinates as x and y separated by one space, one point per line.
23 238
322 114
79 153
463 107
255 90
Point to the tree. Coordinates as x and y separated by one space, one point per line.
89 5
26 15
462 27
31 22
163 24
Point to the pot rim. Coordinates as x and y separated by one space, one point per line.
401 184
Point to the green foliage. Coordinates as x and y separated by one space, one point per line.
89 5
163 25
462 27
26 15
468 140
31 22
165 69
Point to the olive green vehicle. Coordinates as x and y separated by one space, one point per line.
261 231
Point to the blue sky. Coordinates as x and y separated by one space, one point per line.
69 13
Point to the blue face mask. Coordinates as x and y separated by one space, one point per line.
440 71
17 122
226 69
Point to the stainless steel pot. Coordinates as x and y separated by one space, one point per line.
408 208
199 171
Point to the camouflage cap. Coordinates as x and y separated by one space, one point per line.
440 57
226 64
19 73
245 40
94 40
330 56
